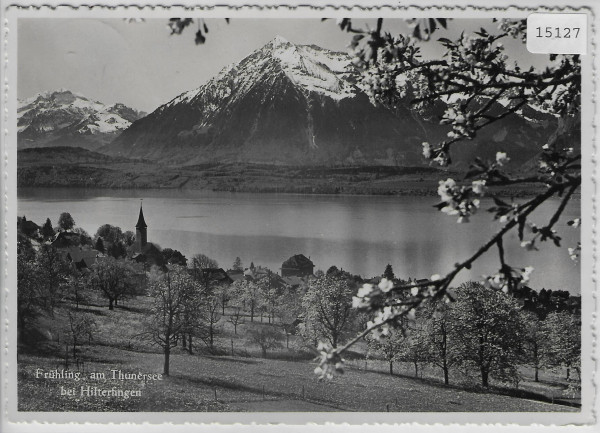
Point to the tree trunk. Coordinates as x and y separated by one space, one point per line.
287 341
167 356
446 380
111 304
264 352
568 373
211 335
183 340
537 369
252 311
190 350
391 368
416 369
484 377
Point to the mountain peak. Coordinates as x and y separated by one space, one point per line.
279 40
63 117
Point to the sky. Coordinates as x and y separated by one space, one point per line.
141 65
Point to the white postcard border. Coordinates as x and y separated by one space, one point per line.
12 10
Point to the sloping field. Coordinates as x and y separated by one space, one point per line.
241 384
202 383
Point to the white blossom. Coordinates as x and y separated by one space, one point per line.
426 149
478 187
441 159
446 188
574 252
385 285
529 245
501 158
358 302
525 273
365 290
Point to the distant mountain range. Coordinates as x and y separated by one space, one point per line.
63 118
284 104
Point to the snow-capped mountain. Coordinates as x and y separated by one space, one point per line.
64 118
284 103
299 104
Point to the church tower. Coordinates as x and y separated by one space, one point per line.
141 235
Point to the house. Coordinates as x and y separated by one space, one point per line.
66 239
216 276
81 257
28 228
235 274
298 265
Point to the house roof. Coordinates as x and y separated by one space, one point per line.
235 274
66 238
28 226
297 261
86 255
217 274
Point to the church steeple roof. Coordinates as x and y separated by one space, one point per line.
141 224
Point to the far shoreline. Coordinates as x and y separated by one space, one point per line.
517 192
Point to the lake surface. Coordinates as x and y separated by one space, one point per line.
360 234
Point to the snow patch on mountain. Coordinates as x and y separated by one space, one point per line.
315 69
312 69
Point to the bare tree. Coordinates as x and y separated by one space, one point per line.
266 337
236 318
202 261
113 278
210 317
78 329
175 310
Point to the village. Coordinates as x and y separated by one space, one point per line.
173 306
78 250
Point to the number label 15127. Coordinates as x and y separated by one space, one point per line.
557 32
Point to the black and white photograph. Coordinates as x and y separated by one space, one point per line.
298 214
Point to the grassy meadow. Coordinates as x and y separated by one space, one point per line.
221 380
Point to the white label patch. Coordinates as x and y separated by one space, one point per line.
557 33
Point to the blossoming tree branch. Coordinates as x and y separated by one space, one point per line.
472 76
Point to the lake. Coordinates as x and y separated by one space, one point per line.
360 234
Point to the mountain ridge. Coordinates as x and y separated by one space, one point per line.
65 118
289 104
302 104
